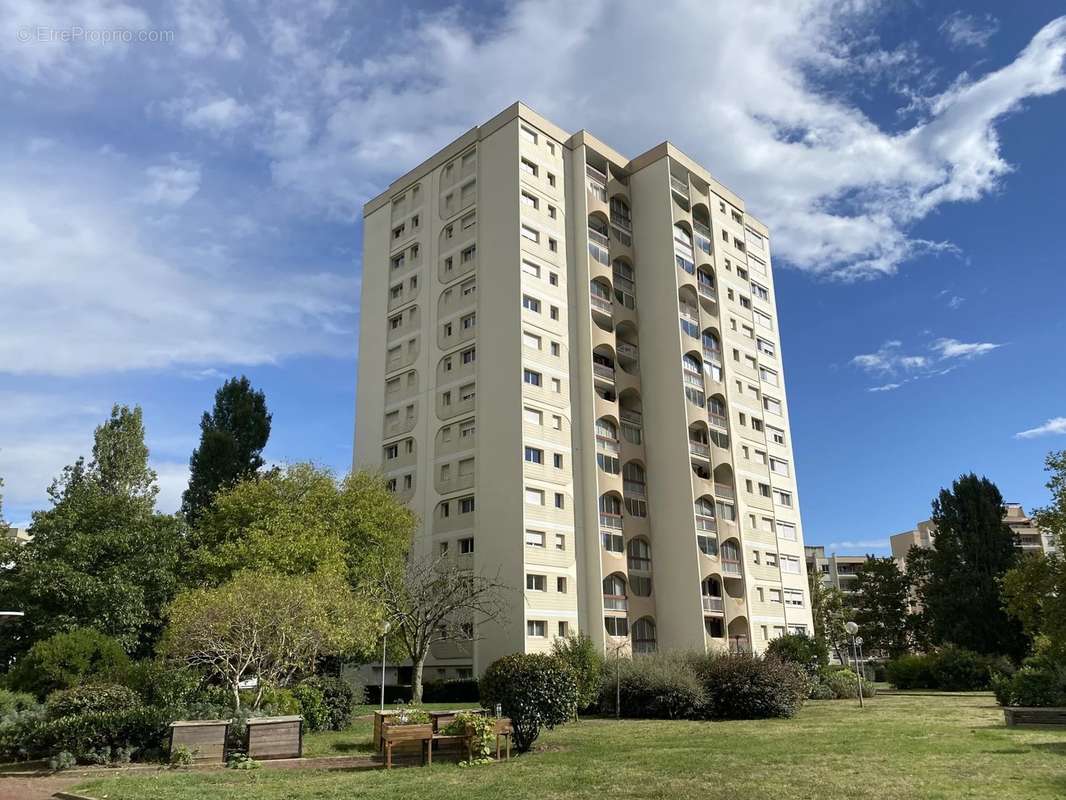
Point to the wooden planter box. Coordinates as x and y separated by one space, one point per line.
503 731
276 737
1020 716
403 735
204 738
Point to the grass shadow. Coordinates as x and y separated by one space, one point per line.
1058 748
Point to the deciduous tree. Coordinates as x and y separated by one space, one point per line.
880 607
830 615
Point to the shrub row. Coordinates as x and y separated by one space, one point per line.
1041 682
98 736
698 686
950 669
463 690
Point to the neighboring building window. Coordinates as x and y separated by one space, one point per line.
466 546
536 627
534 538
537 583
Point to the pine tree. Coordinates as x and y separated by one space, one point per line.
232 438
973 549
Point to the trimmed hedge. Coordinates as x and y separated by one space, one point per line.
461 690
535 690
949 669
133 732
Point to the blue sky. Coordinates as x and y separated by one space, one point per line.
174 212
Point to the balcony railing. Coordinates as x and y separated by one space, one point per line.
608 520
598 238
627 350
739 644
614 603
723 490
730 567
701 229
634 488
601 303
718 420
713 356
623 283
603 371
679 186
699 448
632 417
606 444
705 523
714 604
625 223
707 290
689 313
621 235
595 174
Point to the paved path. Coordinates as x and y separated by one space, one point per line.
36 788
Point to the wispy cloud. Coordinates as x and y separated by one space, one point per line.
860 545
1054 426
890 360
969 30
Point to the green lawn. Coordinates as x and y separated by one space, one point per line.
904 746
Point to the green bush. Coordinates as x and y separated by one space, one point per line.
162 685
949 669
312 706
90 699
15 702
535 690
83 655
459 690
653 686
820 690
844 685
339 699
1031 686
91 737
800 649
741 686
586 662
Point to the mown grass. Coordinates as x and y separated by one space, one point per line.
900 746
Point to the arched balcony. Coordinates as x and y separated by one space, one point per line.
689 312
611 522
683 254
614 593
717 416
692 376
599 231
625 290
638 563
701 227
711 590
635 489
603 365
627 347
699 444
730 554
601 303
629 409
708 290
679 189
644 636
621 220
705 516
739 635
723 483
607 445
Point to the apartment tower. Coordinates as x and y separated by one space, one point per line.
570 368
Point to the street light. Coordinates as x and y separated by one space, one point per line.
856 649
384 637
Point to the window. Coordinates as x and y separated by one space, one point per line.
527 134
708 544
564 629
466 505
468 356
765 346
783 498
534 455
466 546
557 385
531 234
612 542
768 376
529 268
763 320
535 538
771 560
528 167
779 466
551 179
531 303
760 291
771 404
560 500
468 322
777 435
556 350
443 549
557 460
530 200
644 635
790 564
531 340
466 429
560 541
555 313
786 530
535 497
775 595
392 451
533 416
616 626
794 597
532 378
537 583
467 392
536 627
764 490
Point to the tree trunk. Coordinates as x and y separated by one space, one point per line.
416 677
237 695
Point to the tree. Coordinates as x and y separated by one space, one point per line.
267 626
232 438
585 660
918 569
1035 590
880 606
534 690
972 551
300 520
434 601
830 616
799 648
79 656
2 523
100 557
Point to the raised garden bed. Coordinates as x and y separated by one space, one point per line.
1020 716
393 735
205 739
276 737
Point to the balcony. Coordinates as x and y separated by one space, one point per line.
715 605
596 182
610 521
614 603
680 186
607 445
718 420
603 371
627 350
701 449
730 567
707 290
632 417
601 303
634 488
705 523
622 235
598 238
724 491
712 356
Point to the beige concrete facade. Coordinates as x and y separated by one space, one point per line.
1030 538
834 571
570 367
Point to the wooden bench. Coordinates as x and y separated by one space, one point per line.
276 737
1019 716
205 739
401 734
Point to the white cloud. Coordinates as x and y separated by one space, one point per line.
969 30
885 387
861 545
1056 425
889 360
954 302
218 116
953 348
171 184
173 479
204 30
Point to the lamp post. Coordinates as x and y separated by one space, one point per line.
384 638
856 645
